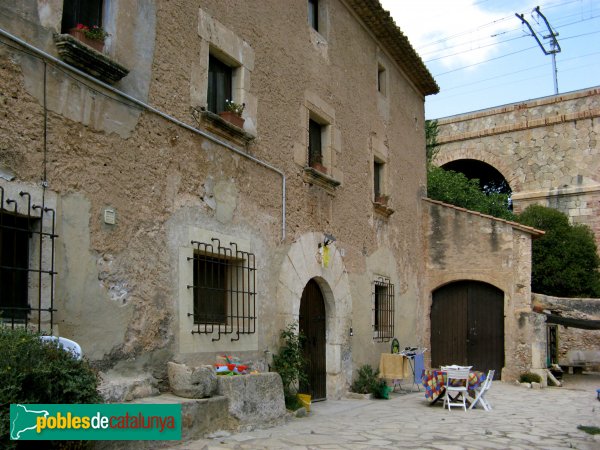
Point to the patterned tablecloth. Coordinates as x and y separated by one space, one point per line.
434 381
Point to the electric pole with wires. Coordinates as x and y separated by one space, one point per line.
554 46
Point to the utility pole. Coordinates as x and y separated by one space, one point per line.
554 46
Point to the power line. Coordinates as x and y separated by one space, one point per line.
482 62
517 71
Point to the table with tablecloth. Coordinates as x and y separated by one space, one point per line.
434 381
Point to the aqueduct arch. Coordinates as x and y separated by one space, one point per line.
547 149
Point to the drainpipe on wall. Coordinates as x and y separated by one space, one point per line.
164 115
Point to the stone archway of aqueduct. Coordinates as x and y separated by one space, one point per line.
547 149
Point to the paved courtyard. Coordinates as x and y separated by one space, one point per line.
521 418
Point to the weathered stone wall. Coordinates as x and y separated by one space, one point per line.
465 245
120 288
570 338
548 150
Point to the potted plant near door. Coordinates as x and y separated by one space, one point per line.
290 364
233 113
93 36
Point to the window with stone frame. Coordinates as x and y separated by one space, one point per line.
315 143
381 79
313 14
85 12
383 309
223 290
220 76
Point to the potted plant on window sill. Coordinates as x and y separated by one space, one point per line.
233 113
382 199
317 164
93 36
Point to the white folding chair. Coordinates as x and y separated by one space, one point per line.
481 390
456 395
67 345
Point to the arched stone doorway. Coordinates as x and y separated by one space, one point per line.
313 324
467 326
302 266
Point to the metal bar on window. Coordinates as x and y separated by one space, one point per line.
383 310
223 290
26 240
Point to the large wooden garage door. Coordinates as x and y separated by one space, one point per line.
467 326
312 325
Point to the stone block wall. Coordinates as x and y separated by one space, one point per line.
547 149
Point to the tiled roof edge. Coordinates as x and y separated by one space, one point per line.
520 226
381 24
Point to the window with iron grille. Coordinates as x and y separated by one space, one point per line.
224 280
383 310
26 262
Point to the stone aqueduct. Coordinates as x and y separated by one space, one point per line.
547 149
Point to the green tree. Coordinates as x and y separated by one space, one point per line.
565 260
455 188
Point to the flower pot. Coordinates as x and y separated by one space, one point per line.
318 166
81 37
305 400
382 199
232 118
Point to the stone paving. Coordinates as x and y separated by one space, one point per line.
521 418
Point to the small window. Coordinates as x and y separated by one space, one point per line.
86 12
210 281
315 151
14 266
383 310
219 84
313 14
224 295
378 179
381 79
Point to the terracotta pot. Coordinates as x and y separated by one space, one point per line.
233 118
318 166
382 199
81 37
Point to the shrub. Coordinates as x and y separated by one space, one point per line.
565 260
367 382
290 363
529 377
36 372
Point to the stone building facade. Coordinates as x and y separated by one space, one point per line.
144 202
483 251
547 149
141 193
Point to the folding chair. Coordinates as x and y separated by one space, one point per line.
457 386
485 386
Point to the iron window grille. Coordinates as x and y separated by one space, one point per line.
383 310
224 290
27 245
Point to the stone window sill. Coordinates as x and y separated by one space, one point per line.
88 60
217 125
317 178
382 209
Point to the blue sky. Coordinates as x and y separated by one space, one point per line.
482 56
